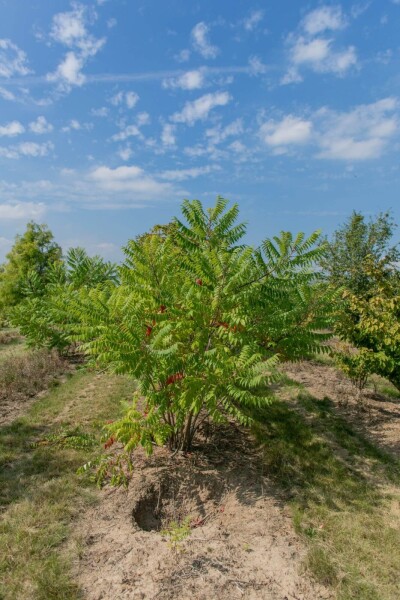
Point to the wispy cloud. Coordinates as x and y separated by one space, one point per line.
359 134
128 99
41 126
362 133
168 137
324 18
11 129
22 211
70 30
27 149
253 20
191 80
132 180
183 174
290 130
13 60
200 109
201 42
310 48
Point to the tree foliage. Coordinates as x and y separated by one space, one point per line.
355 242
43 315
28 265
371 321
363 261
201 320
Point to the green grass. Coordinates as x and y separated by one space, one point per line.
341 489
40 492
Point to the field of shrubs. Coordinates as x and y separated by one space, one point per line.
207 419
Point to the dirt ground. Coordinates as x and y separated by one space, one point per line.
379 416
241 543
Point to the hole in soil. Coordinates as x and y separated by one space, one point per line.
147 512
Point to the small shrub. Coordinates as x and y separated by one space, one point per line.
359 365
177 532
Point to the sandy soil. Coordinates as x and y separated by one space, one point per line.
241 542
378 418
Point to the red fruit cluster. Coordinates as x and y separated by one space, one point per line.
110 442
221 324
199 281
173 378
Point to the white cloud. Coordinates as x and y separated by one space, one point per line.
129 131
68 72
360 134
33 149
183 174
168 135
130 99
200 109
308 48
313 51
13 60
132 180
218 134
99 112
125 153
256 66
324 18
111 23
291 76
290 130
201 42
143 118
183 55
22 210
251 22
70 30
6 94
41 126
318 55
191 80
74 125
11 129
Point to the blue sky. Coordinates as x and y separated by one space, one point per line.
113 111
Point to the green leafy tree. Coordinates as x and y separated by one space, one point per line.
371 321
201 320
27 265
363 261
43 315
354 242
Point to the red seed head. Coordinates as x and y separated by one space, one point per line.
199 281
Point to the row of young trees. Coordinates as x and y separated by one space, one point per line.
201 319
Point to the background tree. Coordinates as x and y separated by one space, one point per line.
28 264
43 314
364 262
351 244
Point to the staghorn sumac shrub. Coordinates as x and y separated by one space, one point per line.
201 321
